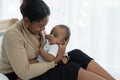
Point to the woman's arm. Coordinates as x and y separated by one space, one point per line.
18 58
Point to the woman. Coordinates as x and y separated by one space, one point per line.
21 45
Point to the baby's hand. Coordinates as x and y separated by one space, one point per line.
33 61
64 59
47 36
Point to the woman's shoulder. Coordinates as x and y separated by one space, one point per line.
12 34
14 30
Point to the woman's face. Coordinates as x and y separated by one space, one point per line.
36 27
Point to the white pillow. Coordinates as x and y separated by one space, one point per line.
3 77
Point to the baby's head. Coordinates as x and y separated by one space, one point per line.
59 33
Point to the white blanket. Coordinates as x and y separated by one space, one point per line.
3 77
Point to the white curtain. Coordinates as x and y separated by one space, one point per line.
94 25
9 9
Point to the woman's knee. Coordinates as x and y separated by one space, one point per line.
75 52
80 57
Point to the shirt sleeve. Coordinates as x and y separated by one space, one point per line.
53 49
14 48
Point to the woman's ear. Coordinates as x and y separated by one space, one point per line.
26 21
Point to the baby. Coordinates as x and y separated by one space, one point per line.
58 35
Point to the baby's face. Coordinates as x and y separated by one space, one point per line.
57 36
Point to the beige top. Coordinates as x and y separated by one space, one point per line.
18 47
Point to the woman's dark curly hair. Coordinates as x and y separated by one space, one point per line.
34 10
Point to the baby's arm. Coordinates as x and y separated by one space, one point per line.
33 61
56 50
53 52
65 59
46 56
